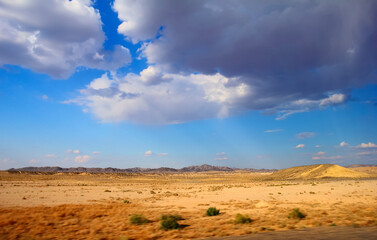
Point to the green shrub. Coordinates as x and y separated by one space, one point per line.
126 201
169 222
296 214
138 219
212 211
242 219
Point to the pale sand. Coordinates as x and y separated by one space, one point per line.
31 205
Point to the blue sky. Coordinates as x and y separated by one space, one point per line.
178 83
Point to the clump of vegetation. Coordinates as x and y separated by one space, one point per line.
138 219
153 192
126 201
107 190
169 222
296 214
242 219
212 211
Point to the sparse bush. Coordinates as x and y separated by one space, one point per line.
126 201
242 219
212 211
138 219
296 214
169 222
107 190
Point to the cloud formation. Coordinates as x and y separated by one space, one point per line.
273 130
82 158
367 145
300 146
343 144
304 135
55 37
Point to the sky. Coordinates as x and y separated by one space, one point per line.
165 83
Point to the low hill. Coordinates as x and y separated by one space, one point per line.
317 172
201 168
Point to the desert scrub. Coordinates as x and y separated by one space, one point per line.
212 211
126 202
296 214
138 219
242 219
169 222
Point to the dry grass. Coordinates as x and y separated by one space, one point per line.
77 206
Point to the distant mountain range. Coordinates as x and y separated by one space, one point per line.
202 168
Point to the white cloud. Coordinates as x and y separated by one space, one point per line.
162 154
101 83
273 130
322 156
69 151
305 105
55 37
304 135
343 144
96 152
300 146
45 97
82 158
367 145
76 151
326 158
32 161
148 153
221 158
221 154
131 99
318 146
50 156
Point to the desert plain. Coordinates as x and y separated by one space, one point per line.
99 206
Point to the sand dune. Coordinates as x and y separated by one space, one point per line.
317 172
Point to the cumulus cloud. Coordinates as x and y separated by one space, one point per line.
300 146
343 144
50 156
221 158
148 153
273 51
55 37
179 99
82 158
221 154
367 145
274 130
318 146
304 135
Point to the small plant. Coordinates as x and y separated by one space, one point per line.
169 222
212 211
296 214
153 192
107 190
242 219
138 219
126 201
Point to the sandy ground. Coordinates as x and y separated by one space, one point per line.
85 206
